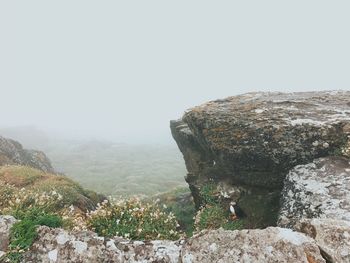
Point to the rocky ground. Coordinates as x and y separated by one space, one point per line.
12 152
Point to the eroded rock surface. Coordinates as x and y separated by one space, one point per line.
332 236
269 245
6 223
320 189
57 245
12 152
251 141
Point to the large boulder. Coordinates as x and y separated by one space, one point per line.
250 142
6 223
269 245
12 152
320 189
332 237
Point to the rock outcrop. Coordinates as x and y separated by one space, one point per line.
268 245
332 237
6 222
12 152
250 142
320 189
57 245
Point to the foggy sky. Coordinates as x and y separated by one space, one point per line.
122 69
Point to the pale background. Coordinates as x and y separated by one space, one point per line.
120 70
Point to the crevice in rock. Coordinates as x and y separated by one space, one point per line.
326 256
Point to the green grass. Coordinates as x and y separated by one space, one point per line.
207 194
179 201
23 233
215 216
37 181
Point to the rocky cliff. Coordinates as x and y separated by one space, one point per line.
12 152
246 144
283 157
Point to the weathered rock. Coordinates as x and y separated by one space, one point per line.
12 152
57 245
268 245
251 141
320 189
6 223
332 236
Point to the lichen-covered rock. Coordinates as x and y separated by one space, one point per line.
332 236
6 223
251 141
269 245
320 189
12 152
57 245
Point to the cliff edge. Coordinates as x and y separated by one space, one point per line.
245 145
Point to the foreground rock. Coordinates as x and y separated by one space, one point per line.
268 245
251 141
57 245
12 152
332 236
320 189
6 223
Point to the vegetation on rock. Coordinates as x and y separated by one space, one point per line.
26 187
23 233
179 202
214 213
133 219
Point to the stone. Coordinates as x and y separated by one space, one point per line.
12 152
251 141
268 245
332 237
58 245
272 244
6 223
320 189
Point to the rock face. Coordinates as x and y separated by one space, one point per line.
268 245
320 189
332 236
6 223
12 152
251 141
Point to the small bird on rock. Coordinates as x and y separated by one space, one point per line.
235 211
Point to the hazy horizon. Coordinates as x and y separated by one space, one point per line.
120 71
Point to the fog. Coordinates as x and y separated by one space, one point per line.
120 70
